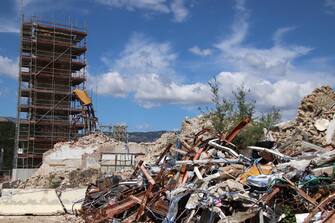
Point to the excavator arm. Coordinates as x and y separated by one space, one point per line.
82 96
88 110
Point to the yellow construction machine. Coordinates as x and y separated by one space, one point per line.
88 111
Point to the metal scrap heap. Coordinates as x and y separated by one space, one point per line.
204 178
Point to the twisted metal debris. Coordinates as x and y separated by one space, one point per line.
206 179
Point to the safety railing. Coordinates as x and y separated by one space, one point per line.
56 71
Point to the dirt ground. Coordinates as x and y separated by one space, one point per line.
41 219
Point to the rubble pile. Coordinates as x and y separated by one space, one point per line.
206 179
191 126
68 179
196 175
154 149
64 164
51 175
93 139
315 115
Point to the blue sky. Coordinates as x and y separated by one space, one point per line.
149 61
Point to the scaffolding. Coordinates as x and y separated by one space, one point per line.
120 133
52 65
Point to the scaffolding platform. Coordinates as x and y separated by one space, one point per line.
52 66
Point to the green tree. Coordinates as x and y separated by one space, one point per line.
244 106
225 114
221 114
271 118
254 131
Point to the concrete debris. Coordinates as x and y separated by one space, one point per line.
39 201
315 113
210 181
321 124
195 175
79 163
191 126
153 150
91 140
68 179
76 158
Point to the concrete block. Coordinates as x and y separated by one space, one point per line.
38 201
22 174
30 202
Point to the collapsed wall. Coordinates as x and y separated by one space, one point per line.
314 122
85 153
78 163
189 128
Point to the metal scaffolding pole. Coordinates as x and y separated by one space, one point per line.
52 64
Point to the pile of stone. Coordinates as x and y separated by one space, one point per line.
314 123
76 163
154 149
66 179
189 128
192 126
93 139
197 180
66 163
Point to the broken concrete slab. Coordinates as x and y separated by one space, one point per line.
39 202
31 202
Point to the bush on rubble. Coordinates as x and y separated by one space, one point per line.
225 114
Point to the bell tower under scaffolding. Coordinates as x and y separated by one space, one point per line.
52 65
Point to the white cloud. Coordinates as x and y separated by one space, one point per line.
152 5
143 71
330 5
177 7
8 67
280 33
270 73
267 61
284 94
239 28
110 83
142 55
179 10
200 52
8 26
151 90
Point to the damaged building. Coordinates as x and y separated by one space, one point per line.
52 66
195 175
65 165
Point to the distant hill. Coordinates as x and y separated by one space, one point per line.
144 136
7 119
